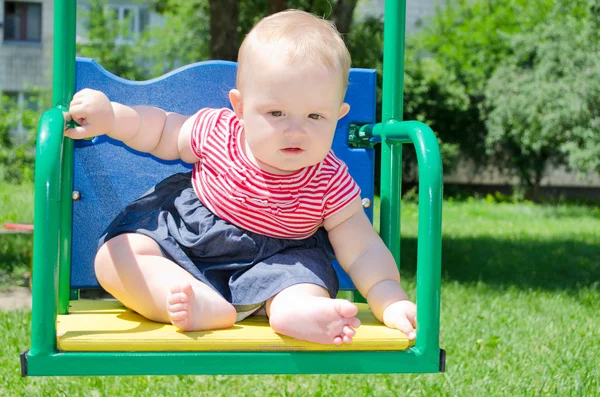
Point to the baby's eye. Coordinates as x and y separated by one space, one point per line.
315 116
276 113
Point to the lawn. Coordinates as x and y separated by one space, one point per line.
520 304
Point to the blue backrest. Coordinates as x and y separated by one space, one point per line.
109 175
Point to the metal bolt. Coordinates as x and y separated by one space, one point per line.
76 195
366 203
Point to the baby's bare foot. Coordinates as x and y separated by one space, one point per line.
316 319
190 309
183 307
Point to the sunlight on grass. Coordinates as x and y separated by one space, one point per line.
16 203
520 302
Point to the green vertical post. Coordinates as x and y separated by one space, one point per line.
49 192
392 108
63 77
62 91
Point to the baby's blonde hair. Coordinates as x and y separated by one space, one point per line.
305 37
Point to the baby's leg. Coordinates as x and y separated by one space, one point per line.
305 311
131 268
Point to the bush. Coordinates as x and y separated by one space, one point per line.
17 150
543 102
482 45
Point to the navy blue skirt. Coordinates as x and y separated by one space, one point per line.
244 267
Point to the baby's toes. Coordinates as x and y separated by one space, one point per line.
345 308
177 307
353 322
177 298
347 334
178 316
347 339
348 331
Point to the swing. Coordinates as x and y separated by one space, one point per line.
81 185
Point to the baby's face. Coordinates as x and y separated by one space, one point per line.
289 113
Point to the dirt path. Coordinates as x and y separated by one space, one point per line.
15 298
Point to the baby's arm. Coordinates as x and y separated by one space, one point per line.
165 135
363 255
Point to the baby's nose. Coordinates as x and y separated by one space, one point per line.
294 127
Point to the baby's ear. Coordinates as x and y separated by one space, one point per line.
344 109
235 97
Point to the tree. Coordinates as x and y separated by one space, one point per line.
342 15
101 44
224 19
583 145
17 151
231 20
433 95
543 102
277 5
471 40
184 37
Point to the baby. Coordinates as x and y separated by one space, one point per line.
252 229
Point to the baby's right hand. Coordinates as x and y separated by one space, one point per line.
93 112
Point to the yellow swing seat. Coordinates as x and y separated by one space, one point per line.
107 325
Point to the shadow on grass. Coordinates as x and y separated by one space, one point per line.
556 265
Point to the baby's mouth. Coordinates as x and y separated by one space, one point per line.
292 150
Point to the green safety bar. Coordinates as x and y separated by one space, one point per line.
52 239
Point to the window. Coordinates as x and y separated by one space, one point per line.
12 96
128 21
22 21
31 101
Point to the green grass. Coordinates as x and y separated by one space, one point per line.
520 304
16 203
16 206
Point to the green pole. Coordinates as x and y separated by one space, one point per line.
49 201
63 78
391 153
64 88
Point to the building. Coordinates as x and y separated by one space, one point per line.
26 42
26 47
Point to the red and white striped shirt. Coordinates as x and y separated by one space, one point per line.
290 206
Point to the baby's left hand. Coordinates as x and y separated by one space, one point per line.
401 315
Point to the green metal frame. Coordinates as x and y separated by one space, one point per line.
52 240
